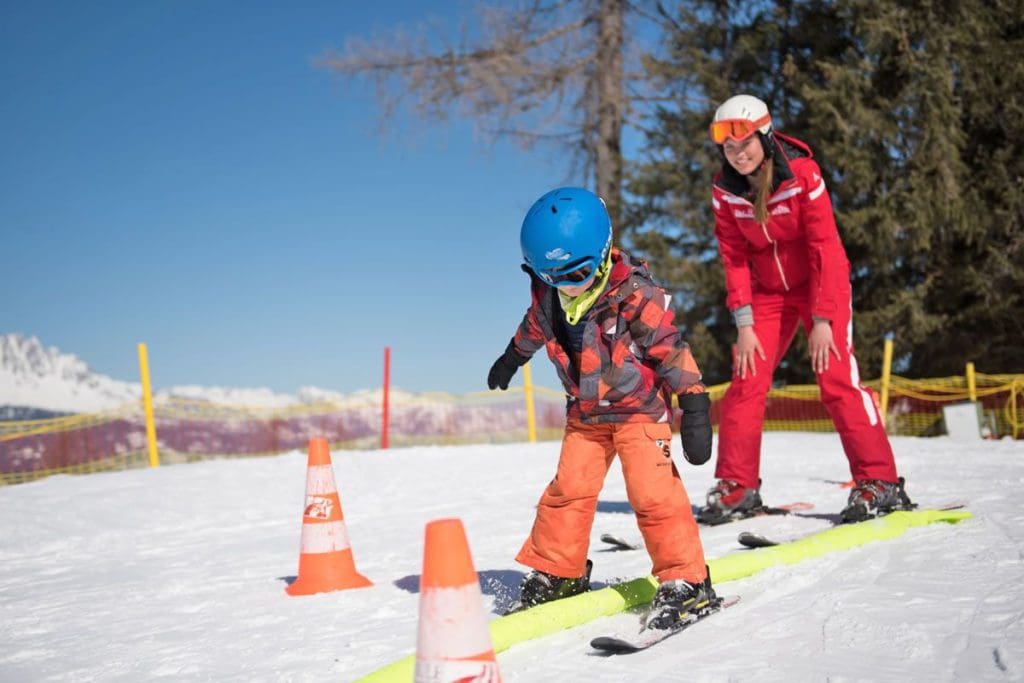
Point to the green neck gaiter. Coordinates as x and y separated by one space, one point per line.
576 308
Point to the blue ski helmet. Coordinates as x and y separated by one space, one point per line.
566 235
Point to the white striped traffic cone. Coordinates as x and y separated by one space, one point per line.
325 555
453 644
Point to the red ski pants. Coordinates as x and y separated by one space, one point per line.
849 404
560 537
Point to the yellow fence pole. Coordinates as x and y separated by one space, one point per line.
531 419
1011 407
972 386
147 404
886 374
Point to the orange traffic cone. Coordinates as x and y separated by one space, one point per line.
453 643
325 556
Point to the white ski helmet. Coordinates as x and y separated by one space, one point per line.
738 118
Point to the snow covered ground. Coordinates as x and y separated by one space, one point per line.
178 573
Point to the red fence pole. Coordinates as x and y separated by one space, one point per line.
387 381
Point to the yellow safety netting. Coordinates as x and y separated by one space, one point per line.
190 429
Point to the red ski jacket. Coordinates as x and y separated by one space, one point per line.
633 359
799 244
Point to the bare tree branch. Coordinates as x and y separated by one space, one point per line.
539 72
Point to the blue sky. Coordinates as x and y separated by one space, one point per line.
180 174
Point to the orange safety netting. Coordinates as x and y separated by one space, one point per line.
189 430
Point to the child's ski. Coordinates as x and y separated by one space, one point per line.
748 539
615 645
619 543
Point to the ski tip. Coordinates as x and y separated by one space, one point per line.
611 646
752 540
728 601
618 543
951 505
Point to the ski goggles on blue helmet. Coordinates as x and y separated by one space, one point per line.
565 236
573 274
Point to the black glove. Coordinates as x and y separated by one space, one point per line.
695 431
504 368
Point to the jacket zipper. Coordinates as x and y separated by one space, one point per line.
775 254
778 264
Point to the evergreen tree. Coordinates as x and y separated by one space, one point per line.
914 111
980 286
924 147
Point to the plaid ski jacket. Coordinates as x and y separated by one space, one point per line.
634 358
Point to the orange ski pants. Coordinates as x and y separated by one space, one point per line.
560 538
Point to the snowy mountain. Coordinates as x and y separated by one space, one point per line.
34 376
40 381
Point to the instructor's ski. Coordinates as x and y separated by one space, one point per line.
751 540
621 645
762 511
620 543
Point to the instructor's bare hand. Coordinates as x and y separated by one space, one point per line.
819 343
747 344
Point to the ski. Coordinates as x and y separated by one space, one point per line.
619 543
751 540
762 511
621 645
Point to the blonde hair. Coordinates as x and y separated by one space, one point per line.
763 185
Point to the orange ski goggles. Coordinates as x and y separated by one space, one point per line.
737 129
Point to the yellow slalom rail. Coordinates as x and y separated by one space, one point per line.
556 616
